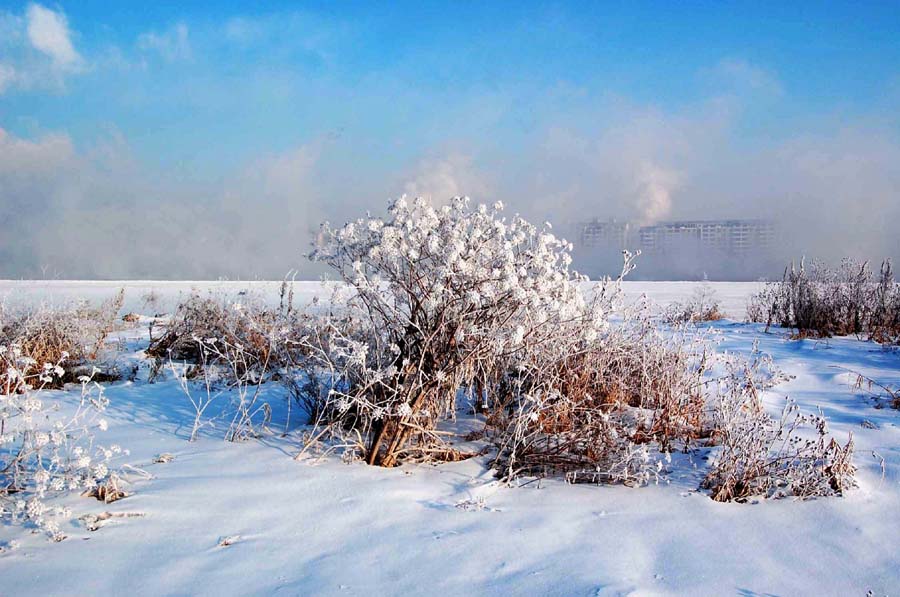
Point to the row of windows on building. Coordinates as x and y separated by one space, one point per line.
734 236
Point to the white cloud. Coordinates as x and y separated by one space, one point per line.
37 50
243 30
654 186
636 167
48 32
746 76
7 77
441 179
173 44
834 190
101 212
22 158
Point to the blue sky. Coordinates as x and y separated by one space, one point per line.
553 107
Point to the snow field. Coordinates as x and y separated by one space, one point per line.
322 527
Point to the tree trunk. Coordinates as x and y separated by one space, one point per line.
395 434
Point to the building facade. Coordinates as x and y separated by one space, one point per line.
736 237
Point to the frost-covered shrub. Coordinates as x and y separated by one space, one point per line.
821 302
45 333
199 317
223 351
600 410
763 456
441 300
244 321
461 301
228 370
703 305
43 453
884 312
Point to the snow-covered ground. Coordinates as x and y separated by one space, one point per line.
165 294
329 528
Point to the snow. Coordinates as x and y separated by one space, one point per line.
248 519
732 295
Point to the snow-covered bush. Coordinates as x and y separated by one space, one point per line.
244 320
884 313
223 351
227 370
44 453
703 305
821 302
45 333
461 302
442 300
763 456
241 320
599 411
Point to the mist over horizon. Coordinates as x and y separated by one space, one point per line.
192 144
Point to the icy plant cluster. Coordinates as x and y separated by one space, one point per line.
44 333
443 299
232 347
820 301
763 456
240 320
606 410
703 305
43 453
228 369
878 390
442 303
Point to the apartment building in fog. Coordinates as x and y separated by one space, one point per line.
737 237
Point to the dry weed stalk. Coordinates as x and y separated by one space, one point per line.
821 302
703 305
42 454
597 412
768 457
71 335
233 349
865 382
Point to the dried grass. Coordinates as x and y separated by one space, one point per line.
819 302
72 336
